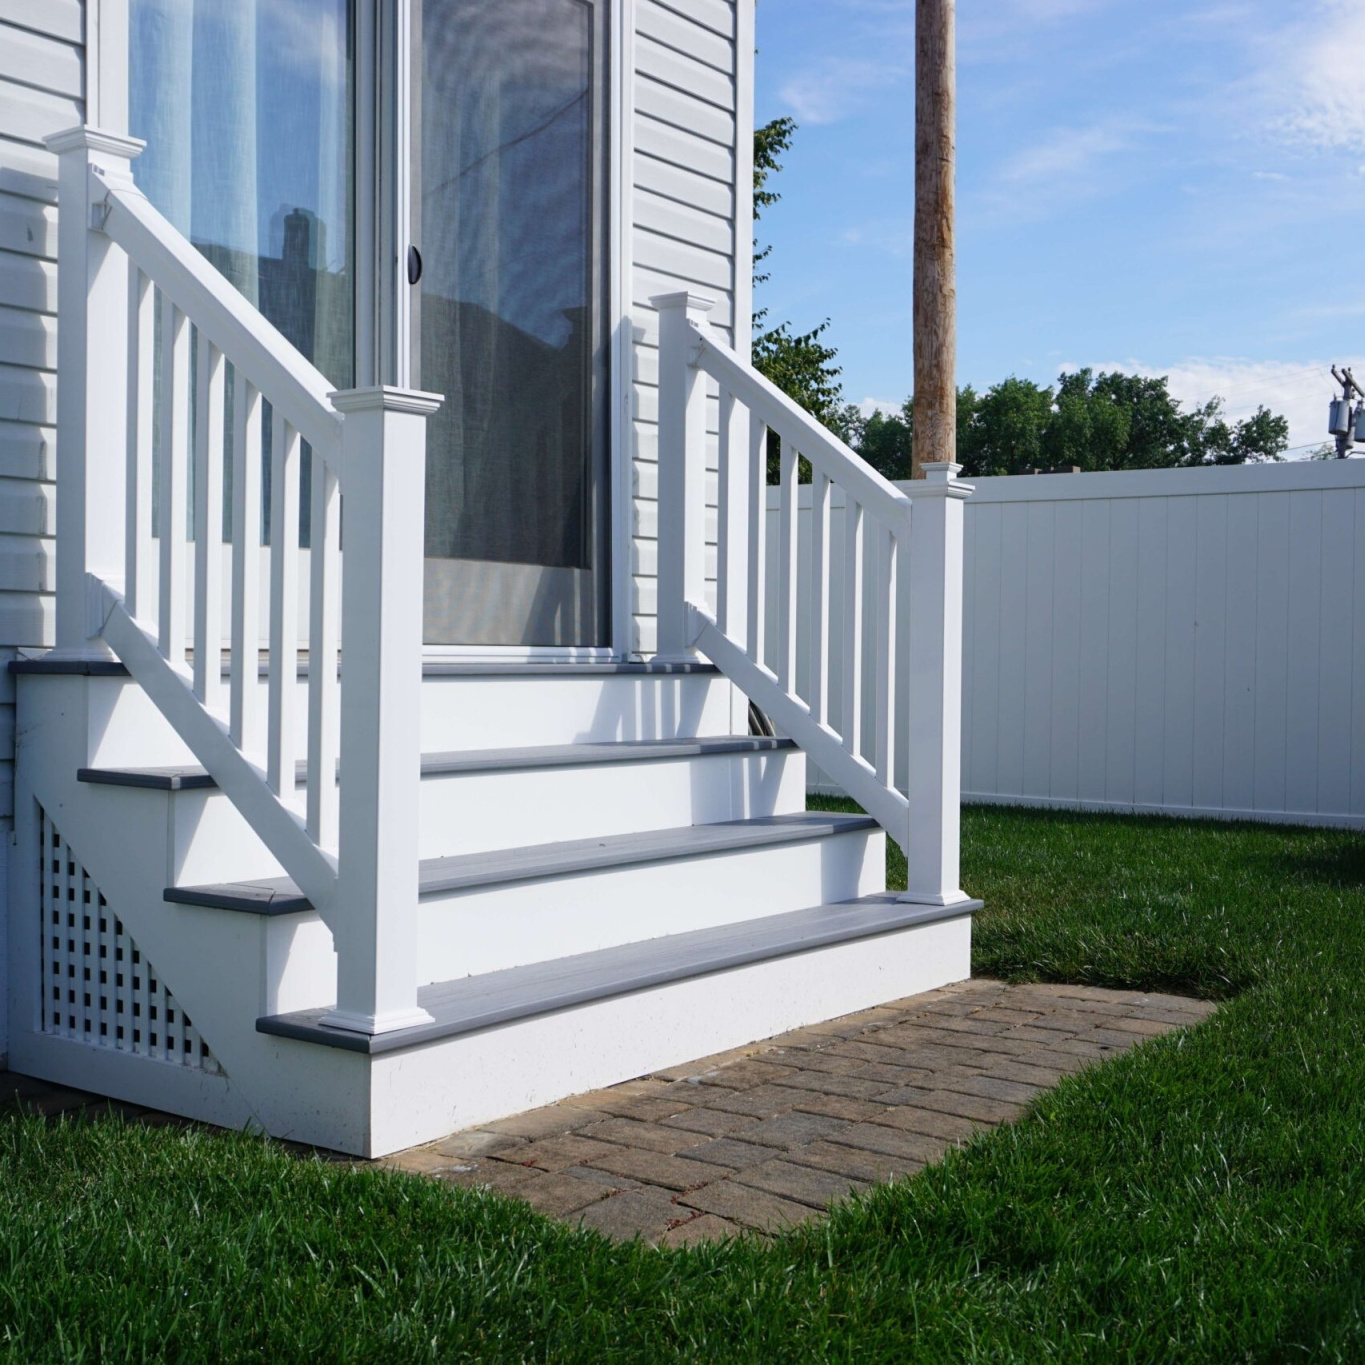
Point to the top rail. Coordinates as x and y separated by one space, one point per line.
259 351
826 452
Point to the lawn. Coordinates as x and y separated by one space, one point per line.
1200 1199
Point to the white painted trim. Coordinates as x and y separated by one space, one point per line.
745 43
519 654
106 64
621 450
1310 819
1291 476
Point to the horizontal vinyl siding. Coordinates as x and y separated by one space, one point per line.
41 86
683 170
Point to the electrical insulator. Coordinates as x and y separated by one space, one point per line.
1339 417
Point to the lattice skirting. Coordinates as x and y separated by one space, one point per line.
98 988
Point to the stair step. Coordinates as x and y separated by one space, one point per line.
431 668
479 1002
464 872
190 777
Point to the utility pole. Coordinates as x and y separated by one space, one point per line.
1344 422
935 283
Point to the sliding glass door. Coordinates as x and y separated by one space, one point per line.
509 322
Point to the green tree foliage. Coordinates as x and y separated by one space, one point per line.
801 364
1088 421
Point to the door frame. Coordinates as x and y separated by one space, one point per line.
386 116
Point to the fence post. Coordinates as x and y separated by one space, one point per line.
682 472
383 484
92 396
934 724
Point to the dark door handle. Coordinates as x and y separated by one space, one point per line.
414 265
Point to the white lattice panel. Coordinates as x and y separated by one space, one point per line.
98 987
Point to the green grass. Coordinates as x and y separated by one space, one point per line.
1200 1199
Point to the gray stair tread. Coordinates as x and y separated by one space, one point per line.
467 871
185 778
431 668
496 998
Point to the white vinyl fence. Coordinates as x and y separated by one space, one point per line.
1187 641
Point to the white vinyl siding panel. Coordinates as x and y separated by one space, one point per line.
41 88
690 220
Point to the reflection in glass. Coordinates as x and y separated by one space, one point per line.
245 106
511 315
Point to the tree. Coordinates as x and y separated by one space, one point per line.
801 364
1088 421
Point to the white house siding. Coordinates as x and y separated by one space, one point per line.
41 76
692 144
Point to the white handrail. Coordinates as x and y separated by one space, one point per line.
345 826
888 539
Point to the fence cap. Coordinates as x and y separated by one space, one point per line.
386 398
84 138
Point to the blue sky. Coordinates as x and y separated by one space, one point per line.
1171 186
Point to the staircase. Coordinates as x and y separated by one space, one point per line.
274 869
646 890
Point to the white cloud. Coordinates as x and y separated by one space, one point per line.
885 405
1312 78
1296 389
837 86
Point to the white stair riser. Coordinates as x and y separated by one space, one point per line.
515 711
480 812
520 1066
127 731
487 929
515 808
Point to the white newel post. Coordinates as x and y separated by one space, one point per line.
383 483
682 472
934 723
92 381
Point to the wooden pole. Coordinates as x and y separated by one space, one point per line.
935 287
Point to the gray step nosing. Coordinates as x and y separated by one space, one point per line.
693 841
42 666
506 867
457 762
709 956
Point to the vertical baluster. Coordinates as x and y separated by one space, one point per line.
284 609
138 574
853 626
208 527
819 598
886 654
246 564
787 567
724 500
175 441
758 536
324 598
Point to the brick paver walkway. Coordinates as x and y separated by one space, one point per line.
769 1135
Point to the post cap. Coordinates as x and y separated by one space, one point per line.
693 303
85 138
386 398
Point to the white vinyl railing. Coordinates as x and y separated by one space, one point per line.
882 529
168 380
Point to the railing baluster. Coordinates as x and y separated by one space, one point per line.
175 459
138 576
724 499
790 499
246 564
758 536
324 690
208 527
886 654
284 608
819 598
853 626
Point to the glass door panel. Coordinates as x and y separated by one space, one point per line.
509 318
247 111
